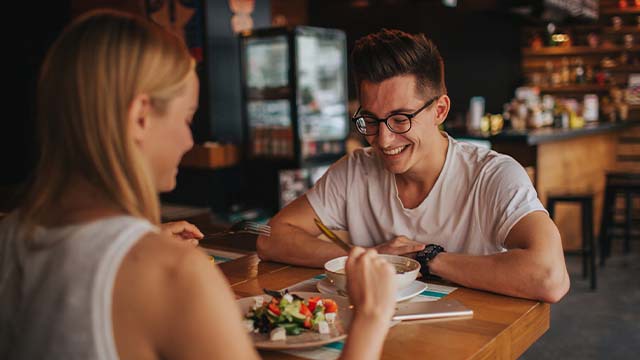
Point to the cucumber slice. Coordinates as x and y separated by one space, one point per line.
291 328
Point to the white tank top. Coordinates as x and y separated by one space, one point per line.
55 302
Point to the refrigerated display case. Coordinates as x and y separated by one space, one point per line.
295 106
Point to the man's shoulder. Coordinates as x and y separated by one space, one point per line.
488 164
482 157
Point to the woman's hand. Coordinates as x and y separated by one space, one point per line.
372 291
182 231
370 282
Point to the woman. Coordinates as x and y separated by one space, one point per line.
84 271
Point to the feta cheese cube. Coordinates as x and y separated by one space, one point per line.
323 327
258 302
278 334
288 297
248 324
319 303
330 317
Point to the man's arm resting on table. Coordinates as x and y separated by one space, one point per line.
294 238
533 266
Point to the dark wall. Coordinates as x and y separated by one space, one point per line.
30 29
481 49
34 29
223 60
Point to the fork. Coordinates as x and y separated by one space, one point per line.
242 227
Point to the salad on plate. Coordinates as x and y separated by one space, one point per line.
289 314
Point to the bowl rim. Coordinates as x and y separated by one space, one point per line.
344 257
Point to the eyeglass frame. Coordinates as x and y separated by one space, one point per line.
410 116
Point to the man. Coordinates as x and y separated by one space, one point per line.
471 214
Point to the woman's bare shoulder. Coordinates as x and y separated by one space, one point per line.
158 264
162 287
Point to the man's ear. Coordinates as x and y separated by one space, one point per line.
138 117
443 104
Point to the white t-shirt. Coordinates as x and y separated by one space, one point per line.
478 197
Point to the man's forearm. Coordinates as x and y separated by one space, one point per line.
516 272
292 245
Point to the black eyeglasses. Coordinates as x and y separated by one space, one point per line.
398 123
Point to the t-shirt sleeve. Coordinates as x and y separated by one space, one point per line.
509 196
328 197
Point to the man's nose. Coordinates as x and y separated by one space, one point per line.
385 136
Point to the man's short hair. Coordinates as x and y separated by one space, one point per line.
388 53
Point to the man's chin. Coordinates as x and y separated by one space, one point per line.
396 169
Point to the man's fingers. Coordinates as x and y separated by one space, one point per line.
418 247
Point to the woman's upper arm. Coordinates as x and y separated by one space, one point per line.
186 307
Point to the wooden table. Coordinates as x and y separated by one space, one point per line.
502 327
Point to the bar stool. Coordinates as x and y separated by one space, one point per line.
585 200
617 183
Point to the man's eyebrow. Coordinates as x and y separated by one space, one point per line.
394 111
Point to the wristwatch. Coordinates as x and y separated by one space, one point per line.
426 255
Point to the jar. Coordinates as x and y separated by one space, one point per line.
616 22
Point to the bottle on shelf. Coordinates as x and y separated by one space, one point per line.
579 71
536 42
589 74
565 72
551 30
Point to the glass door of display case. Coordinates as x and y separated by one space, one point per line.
295 107
321 93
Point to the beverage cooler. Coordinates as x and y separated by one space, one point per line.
294 109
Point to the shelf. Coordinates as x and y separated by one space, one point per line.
624 68
582 88
211 156
617 69
623 30
575 50
279 93
618 11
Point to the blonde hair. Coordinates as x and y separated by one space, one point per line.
88 81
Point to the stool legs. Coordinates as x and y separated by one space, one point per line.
628 219
588 250
588 243
605 223
551 206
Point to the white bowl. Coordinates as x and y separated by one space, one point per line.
334 269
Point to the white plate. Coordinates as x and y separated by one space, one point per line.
338 330
414 289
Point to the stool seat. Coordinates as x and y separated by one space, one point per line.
585 200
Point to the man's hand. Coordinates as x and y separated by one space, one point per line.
182 231
400 245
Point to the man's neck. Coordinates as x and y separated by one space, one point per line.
416 184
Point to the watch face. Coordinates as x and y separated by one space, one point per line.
432 250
